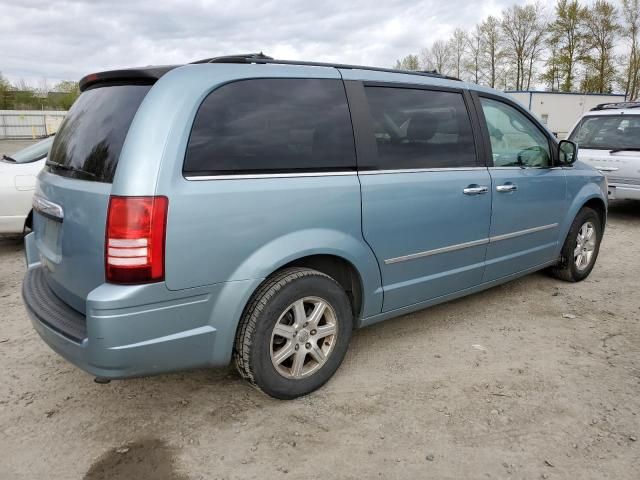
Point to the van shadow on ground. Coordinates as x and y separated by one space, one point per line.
143 459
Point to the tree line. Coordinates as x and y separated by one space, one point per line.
22 96
589 49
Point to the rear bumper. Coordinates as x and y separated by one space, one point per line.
140 330
624 192
48 309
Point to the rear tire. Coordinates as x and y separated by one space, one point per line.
294 333
581 247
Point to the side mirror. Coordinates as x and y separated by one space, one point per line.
567 152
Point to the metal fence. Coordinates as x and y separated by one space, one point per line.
17 124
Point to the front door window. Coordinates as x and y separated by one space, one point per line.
515 140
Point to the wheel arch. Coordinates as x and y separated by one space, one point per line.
589 196
337 267
341 270
597 204
336 253
339 253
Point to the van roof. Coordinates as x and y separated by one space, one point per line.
150 74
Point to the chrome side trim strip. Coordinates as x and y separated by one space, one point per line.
420 170
507 236
436 251
506 168
525 167
327 174
361 172
198 178
47 208
474 243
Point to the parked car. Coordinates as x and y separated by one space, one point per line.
260 209
609 140
17 184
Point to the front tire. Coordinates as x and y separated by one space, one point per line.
581 247
294 333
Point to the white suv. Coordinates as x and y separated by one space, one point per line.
18 182
609 140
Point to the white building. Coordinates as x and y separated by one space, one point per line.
559 111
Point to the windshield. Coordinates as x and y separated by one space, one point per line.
34 152
89 141
608 132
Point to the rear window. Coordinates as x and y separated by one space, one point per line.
608 132
272 126
88 143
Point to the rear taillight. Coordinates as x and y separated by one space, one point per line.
134 243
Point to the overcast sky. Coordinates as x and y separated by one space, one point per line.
68 39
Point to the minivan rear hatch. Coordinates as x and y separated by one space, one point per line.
77 178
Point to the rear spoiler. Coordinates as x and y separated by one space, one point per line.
145 76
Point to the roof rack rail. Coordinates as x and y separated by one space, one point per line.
238 58
265 59
616 106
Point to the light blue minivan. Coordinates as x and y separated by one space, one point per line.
262 209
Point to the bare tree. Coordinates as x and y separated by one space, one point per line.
5 88
577 48
492 52
458 47
437 58
536 49
602 29
505 77
475 48
567 41
410 62
524 32
553 74
42 90
631 31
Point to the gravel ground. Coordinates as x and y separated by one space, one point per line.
534 379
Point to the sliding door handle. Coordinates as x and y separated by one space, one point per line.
475 190
507 187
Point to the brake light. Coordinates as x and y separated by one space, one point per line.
135 236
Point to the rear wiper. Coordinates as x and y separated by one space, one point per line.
630 149
8 158
68 168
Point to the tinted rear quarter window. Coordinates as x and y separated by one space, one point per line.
420 128
272 126
89 141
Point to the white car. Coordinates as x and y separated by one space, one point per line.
609 140
17 182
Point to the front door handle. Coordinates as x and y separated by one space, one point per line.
475 190
507 187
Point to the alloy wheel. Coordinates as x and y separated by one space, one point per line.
585 246
303 337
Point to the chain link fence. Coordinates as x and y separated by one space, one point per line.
18 124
